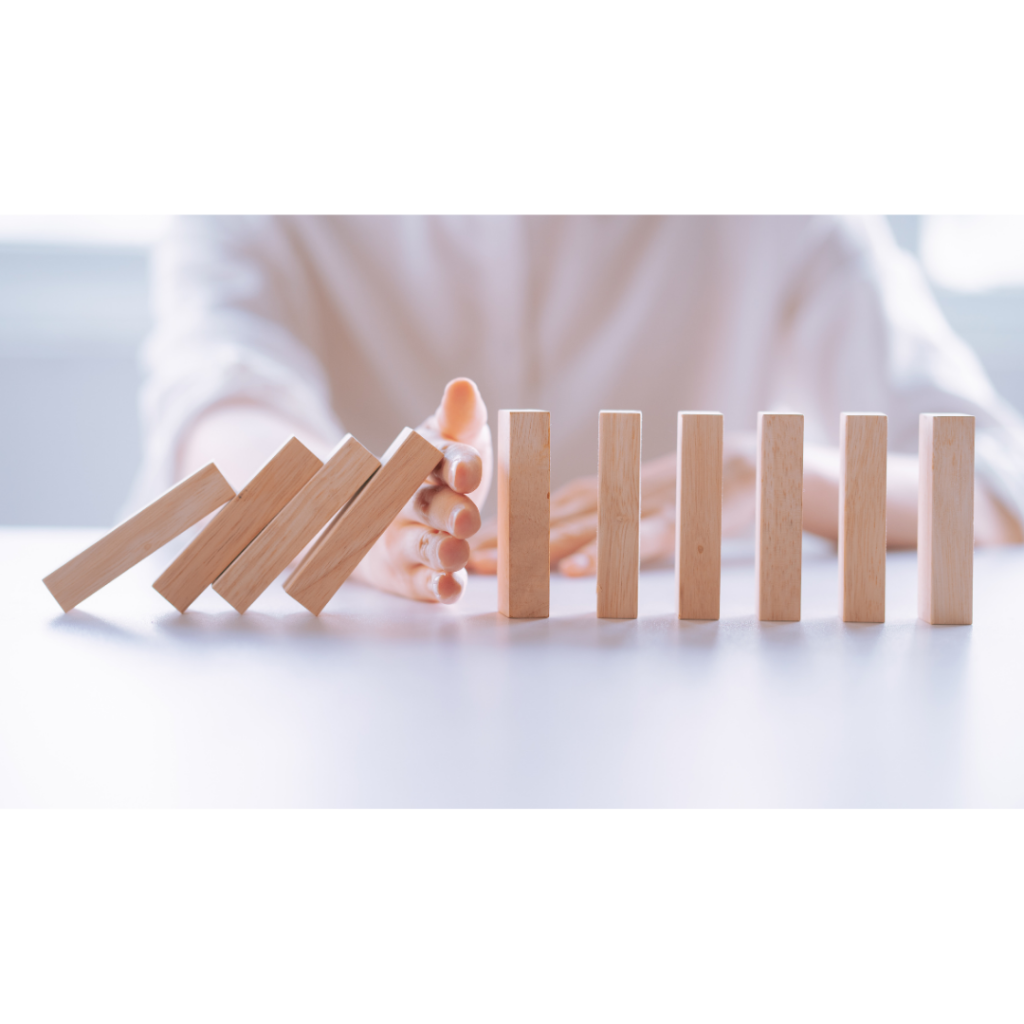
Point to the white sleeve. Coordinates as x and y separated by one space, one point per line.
932 370
224 331
868 335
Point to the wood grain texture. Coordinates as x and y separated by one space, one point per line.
699 514
237 524
347 468
618 514
779 515
945 520
184 505
354 530
863 443
524 513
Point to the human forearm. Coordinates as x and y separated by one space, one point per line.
240 437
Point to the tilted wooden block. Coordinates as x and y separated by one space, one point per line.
779 498
348 467
699 514
945 520
157 524
226 536
862 479
524 513
344 544
618 514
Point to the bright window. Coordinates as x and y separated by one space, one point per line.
973 254
116 231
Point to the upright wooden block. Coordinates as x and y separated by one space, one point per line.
779 517
227 535
349 466
344 544
862 478
157 524
524 513
699 514
945 520
618 514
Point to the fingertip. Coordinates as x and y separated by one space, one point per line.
462 412
465 522
460 389
582 563
483 562
453 553
464 474
448 587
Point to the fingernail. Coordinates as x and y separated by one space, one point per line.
435 585
460 577
578 561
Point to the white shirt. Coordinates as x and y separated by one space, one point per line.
358 323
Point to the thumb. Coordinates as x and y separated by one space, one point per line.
462 413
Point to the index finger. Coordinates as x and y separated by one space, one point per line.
461 468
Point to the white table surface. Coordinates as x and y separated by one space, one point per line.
384 702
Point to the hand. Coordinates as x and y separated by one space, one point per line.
574 512
993 522
423 553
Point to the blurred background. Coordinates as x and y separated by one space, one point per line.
74 309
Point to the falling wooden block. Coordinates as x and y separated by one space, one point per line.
862 477
226 536
524 513
779 519
157 524
349 466
344 544
945 520
618 514
699 514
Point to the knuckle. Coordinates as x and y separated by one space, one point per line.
424 499
426 544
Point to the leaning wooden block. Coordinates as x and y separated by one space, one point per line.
945 520
779 517
344 544
157 524
699 514
524 513
349 466
618 514
226 536
862 480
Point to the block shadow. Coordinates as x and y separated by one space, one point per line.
87 624
439 626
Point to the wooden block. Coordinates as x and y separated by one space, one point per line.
863 439
344 544
157 524
236 525
524 513
779 499
699 514
618 514
945 520
349 466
